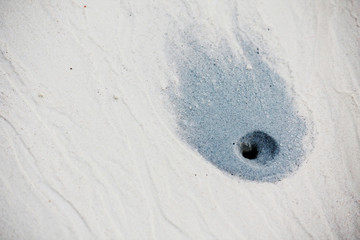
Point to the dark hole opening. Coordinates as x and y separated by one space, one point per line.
249 152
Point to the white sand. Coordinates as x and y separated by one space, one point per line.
89 151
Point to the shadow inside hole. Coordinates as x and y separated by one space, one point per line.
259 147
249 151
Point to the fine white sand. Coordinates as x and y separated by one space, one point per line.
89 147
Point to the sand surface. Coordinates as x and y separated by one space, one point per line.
97 140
